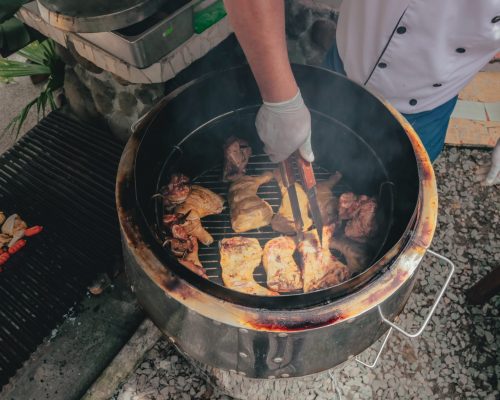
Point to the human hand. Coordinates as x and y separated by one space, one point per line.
285 127
491 176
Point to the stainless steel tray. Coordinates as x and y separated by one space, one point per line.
146 42
96 15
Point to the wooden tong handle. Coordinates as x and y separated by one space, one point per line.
306 172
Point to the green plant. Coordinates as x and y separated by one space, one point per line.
41 59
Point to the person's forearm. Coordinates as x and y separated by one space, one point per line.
259 26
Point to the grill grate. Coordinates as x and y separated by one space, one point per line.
219 226
60 175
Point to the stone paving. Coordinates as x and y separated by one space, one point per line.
456 357
15 95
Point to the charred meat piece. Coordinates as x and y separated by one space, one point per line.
360 213
327 202
349 204
356 254
249 211
320 269
239 256
191 259
237 152
283 273
199 203
174 225
176 191
283 221
183 245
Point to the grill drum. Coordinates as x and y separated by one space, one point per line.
292 335
369 148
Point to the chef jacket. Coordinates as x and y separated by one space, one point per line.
417 54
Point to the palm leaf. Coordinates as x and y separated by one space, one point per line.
44 61
18 121
35 52
13 69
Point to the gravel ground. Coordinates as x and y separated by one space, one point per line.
456 357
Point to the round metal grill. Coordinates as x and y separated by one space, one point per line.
219 226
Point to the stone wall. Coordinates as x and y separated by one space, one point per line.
98 96
102 97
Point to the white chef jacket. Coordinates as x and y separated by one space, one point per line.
417 54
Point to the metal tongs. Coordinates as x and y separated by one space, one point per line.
309 182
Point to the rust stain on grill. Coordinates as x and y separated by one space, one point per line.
394 283
290 325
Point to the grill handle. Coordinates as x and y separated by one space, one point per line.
392 325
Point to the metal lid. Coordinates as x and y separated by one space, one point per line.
96 15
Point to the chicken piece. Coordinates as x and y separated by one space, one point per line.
15 227
364 225
200 203
237 152
239 256
176 191
283 221
191 259
320 269
360 213
4 240
182 244
355 253
283 273
249 211
327 202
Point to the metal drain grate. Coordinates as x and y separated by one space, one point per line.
219 225
60 175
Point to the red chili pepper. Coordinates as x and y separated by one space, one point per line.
17 246
34 230
4 257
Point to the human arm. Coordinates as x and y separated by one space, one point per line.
283 122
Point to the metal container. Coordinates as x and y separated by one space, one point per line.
147 41
96 15
230 334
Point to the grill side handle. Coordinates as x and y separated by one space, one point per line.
392 325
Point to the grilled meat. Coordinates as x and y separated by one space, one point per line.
320 269
183 245
360 213
176 191
356 254
239 256
191 261
199 203
236 155
283 221
249 211
327 202
283 273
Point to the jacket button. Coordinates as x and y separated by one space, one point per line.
496 19
413 102
437 85
382 65
401 30
460 50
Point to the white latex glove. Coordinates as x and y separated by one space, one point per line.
493 175
285 127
